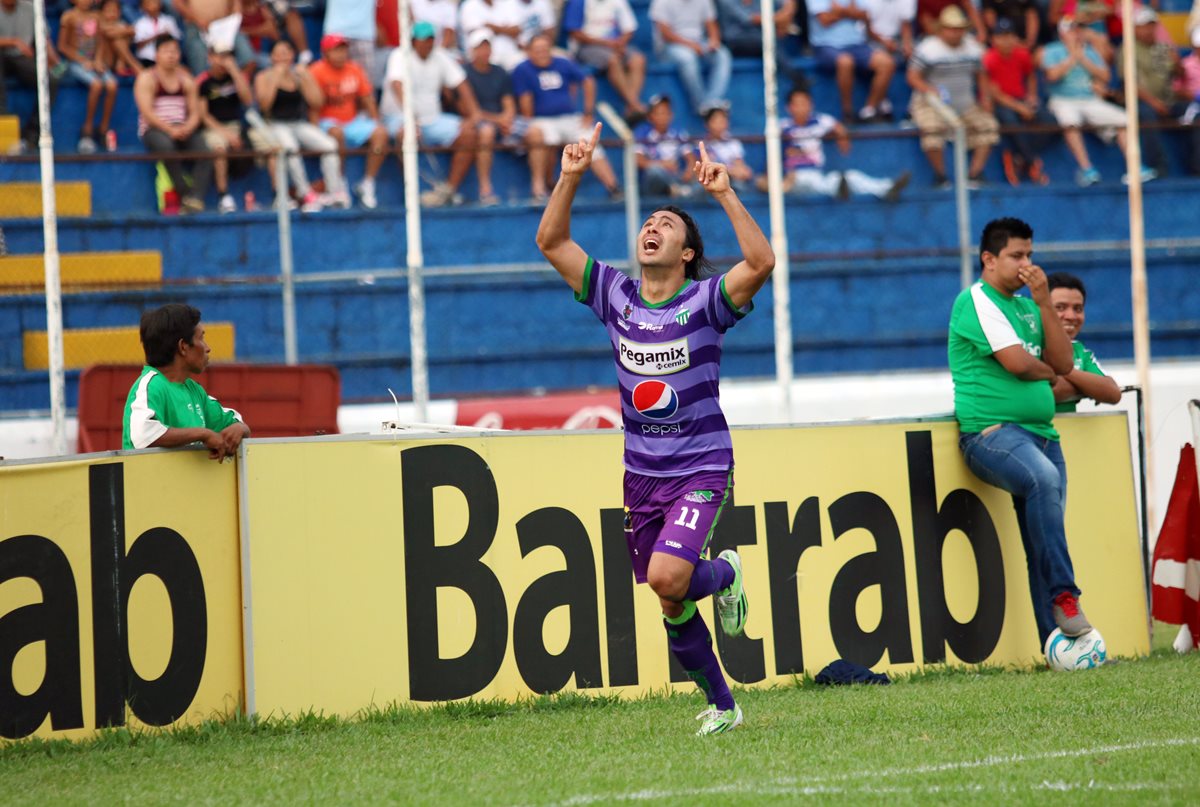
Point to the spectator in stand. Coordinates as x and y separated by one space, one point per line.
1157 64
838 32
284 15
929 13
726 149
687 35
1070 67
804 156
443 14
225 96
349 112
116 37
168 119
197 15
285 92
80 43
599 33
890 23
537 17
1022 16
948 67
664 155
259 26
1013 82
503 19
149 27
433 71
1187 82
354 21
1099 21
16 59
497 120
548 90
1087 379
741 32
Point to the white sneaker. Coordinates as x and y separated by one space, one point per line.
366 194
227 205
312 203
339 200
284 201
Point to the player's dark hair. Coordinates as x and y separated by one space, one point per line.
162 329
697 267
997 234
1066 280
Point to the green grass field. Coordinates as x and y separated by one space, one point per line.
1128 733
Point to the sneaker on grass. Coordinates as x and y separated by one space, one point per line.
718 722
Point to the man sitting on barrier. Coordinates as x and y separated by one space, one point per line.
1005 351
166 408
1087 379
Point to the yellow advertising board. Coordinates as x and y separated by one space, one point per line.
120 600
425 569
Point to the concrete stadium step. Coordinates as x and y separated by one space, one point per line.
82 270
84 346
10 132
23 200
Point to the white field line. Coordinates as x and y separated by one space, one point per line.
827 785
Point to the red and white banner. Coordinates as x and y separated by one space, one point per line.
1176 575
563 410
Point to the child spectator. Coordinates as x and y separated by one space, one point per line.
224 97
804 156
663 152
1012 81
149 27
79 41
600 32
349 112
168 117
285 92
116 36
1071 66
726 149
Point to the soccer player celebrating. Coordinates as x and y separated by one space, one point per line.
666 332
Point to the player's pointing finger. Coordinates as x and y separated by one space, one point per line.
596 135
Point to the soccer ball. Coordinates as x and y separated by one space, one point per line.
1065 653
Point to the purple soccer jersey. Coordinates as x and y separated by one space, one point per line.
668 358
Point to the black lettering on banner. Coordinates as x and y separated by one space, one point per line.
972 641
741 656
165 554
618 600
884 568
54 622
428 567
573 587
785 545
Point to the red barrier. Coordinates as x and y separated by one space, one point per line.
572 410
276 400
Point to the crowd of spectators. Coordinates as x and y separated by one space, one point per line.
231 76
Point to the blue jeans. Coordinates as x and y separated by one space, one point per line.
1032 469
719 64
1027 144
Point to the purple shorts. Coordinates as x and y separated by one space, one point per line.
674 514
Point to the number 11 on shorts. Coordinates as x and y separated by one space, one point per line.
683 520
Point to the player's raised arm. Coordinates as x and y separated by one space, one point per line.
758 260
554 232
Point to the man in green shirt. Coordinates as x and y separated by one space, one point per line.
166 407
1005 351
1087 379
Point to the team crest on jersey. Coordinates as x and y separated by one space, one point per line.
656 400
699 496
627 311
682 317
1029 320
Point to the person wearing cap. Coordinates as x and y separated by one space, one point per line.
1013 83
1071 68
838 30
1157 65
197 15
497 119
947 69
929 13
687 34
1022 17
349 112
664 154
548 90
501 18
431 71
599 34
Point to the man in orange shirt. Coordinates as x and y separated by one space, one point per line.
349 112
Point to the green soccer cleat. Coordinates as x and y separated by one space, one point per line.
717 722
732 604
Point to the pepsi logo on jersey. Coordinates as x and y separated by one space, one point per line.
656 400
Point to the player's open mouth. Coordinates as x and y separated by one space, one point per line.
650 244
